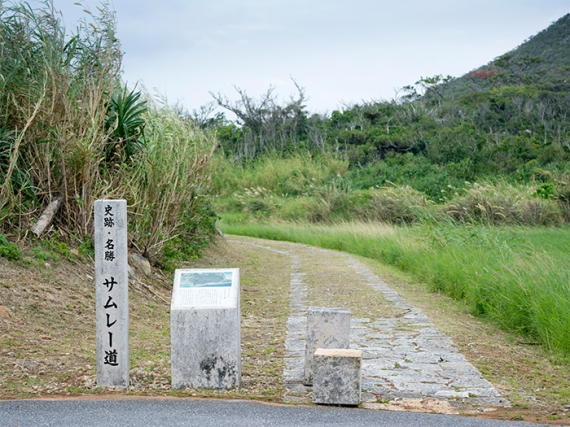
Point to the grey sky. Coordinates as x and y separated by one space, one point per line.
338 50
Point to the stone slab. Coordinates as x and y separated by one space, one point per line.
111 293
326 328
205 329
337 376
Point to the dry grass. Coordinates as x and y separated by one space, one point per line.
504 204
165 187
372 229
47 324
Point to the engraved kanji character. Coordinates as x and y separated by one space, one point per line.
111 358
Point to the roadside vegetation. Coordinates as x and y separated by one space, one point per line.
72 132
517 277
468 180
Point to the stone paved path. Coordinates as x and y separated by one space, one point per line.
405 358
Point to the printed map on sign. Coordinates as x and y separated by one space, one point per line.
205 280
205 288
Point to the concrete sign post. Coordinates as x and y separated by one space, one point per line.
111 293
205 329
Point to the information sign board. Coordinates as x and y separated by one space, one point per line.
205 288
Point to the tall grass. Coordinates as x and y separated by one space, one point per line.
514 276
323 190
500 203
167 184
54 92
68 127
291 176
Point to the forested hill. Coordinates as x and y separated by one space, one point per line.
544 57
509 119
553 44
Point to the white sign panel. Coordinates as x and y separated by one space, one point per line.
205 288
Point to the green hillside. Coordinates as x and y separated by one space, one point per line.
552 44
543 58
510 123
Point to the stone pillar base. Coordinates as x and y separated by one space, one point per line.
337 376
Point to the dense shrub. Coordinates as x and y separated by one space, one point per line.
167 183
396 205
503 204
54 94
70 129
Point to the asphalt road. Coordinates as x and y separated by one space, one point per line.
210 413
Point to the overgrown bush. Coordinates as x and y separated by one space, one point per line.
70 128
396 205
302 188
197 228
291 176
167 183
409 170
504 204
54 94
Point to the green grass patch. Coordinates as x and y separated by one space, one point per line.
9 250
517 277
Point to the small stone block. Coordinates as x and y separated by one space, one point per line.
326 328
337 376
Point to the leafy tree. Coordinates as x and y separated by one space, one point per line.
434 88
518 69
482 79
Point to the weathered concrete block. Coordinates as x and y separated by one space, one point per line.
205 329
337 376
112 293
326 328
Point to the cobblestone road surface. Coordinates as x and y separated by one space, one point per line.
407 362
